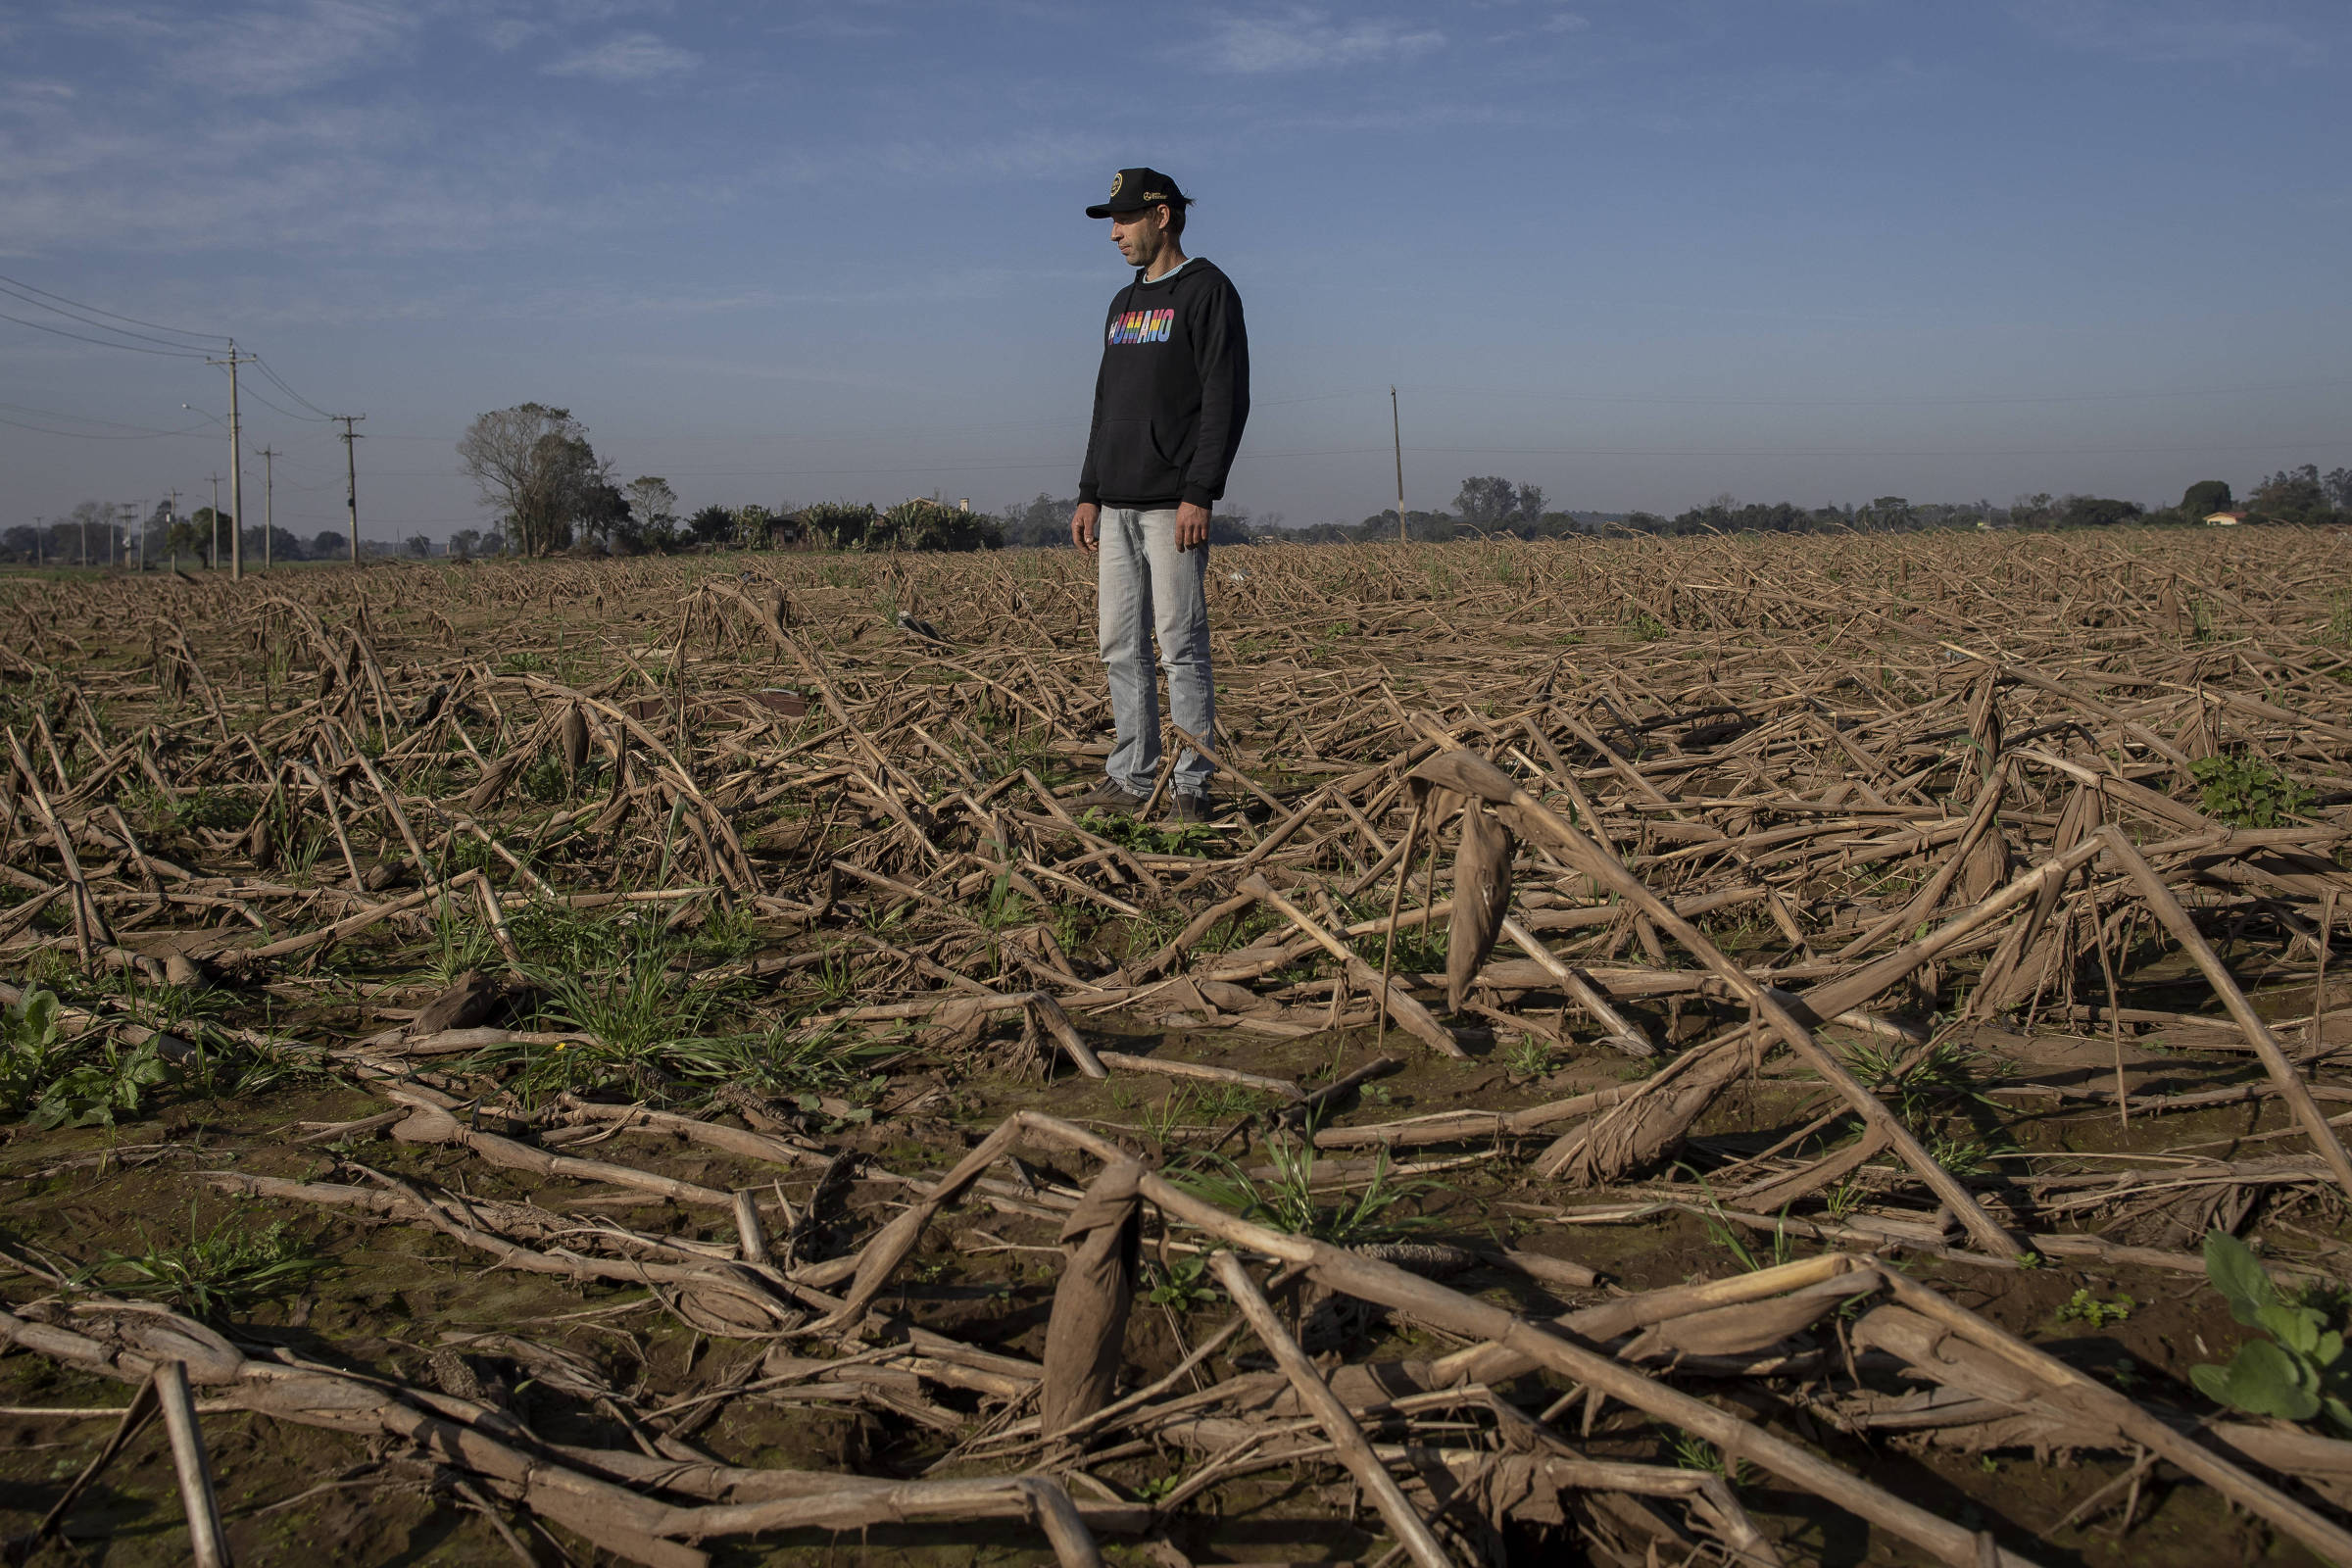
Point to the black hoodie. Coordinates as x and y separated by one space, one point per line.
1173 392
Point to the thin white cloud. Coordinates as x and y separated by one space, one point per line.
1309 40
260 52
2173 31
633 57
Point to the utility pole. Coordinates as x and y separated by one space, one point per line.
268 504
351 477
85 538
170 522
1396 433
236 469
214 561
40 534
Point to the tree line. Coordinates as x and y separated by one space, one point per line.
98 533
535 468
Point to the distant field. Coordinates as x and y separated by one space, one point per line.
527 1023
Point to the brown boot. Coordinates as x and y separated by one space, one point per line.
1108 796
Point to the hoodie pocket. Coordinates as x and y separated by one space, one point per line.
1134 464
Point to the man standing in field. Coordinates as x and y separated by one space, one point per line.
1169 405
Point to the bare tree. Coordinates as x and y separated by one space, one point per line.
653 510
534 465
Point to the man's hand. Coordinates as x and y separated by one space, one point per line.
1084 525
1191 526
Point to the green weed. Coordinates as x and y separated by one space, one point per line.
1641 626
2297 1374
1696 1453
1184 1284
2248 792
1134 833
232 1269
1528 1056
53 1082
1287 1198
2085 1307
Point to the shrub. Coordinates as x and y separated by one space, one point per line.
2248 792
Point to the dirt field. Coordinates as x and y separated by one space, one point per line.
1711 1050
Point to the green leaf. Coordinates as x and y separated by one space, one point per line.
2266 1380
2238 1275
2295 1328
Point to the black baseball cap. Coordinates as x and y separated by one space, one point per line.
1133 189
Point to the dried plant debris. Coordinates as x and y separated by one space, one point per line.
1666 1051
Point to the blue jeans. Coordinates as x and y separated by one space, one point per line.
1146 584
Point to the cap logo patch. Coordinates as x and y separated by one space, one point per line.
1116 180
1155 195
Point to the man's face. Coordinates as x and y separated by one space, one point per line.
1138 234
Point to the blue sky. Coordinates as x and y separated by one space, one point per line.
1639 254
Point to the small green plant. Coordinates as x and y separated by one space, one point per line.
2299 1372
1183 1286
1698 1453
2248 792
1159 1488
1641 626
1163 1118
2085 1307
1287 1199
1133 833
29 1048
1528 1056
50 1083
233 1267
1002 907
2340 621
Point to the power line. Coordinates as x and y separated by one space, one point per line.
120 331
117 316
279 382
105 343
84 435
1674 400
288 412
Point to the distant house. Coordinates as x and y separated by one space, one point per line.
2224 520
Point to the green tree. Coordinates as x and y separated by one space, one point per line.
2291 495
2205 498
1490 504
2097 512
711 526
212 532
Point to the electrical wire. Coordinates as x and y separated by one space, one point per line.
279 382
31 411
65 307
275 409
1992 400
79 435
106 343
